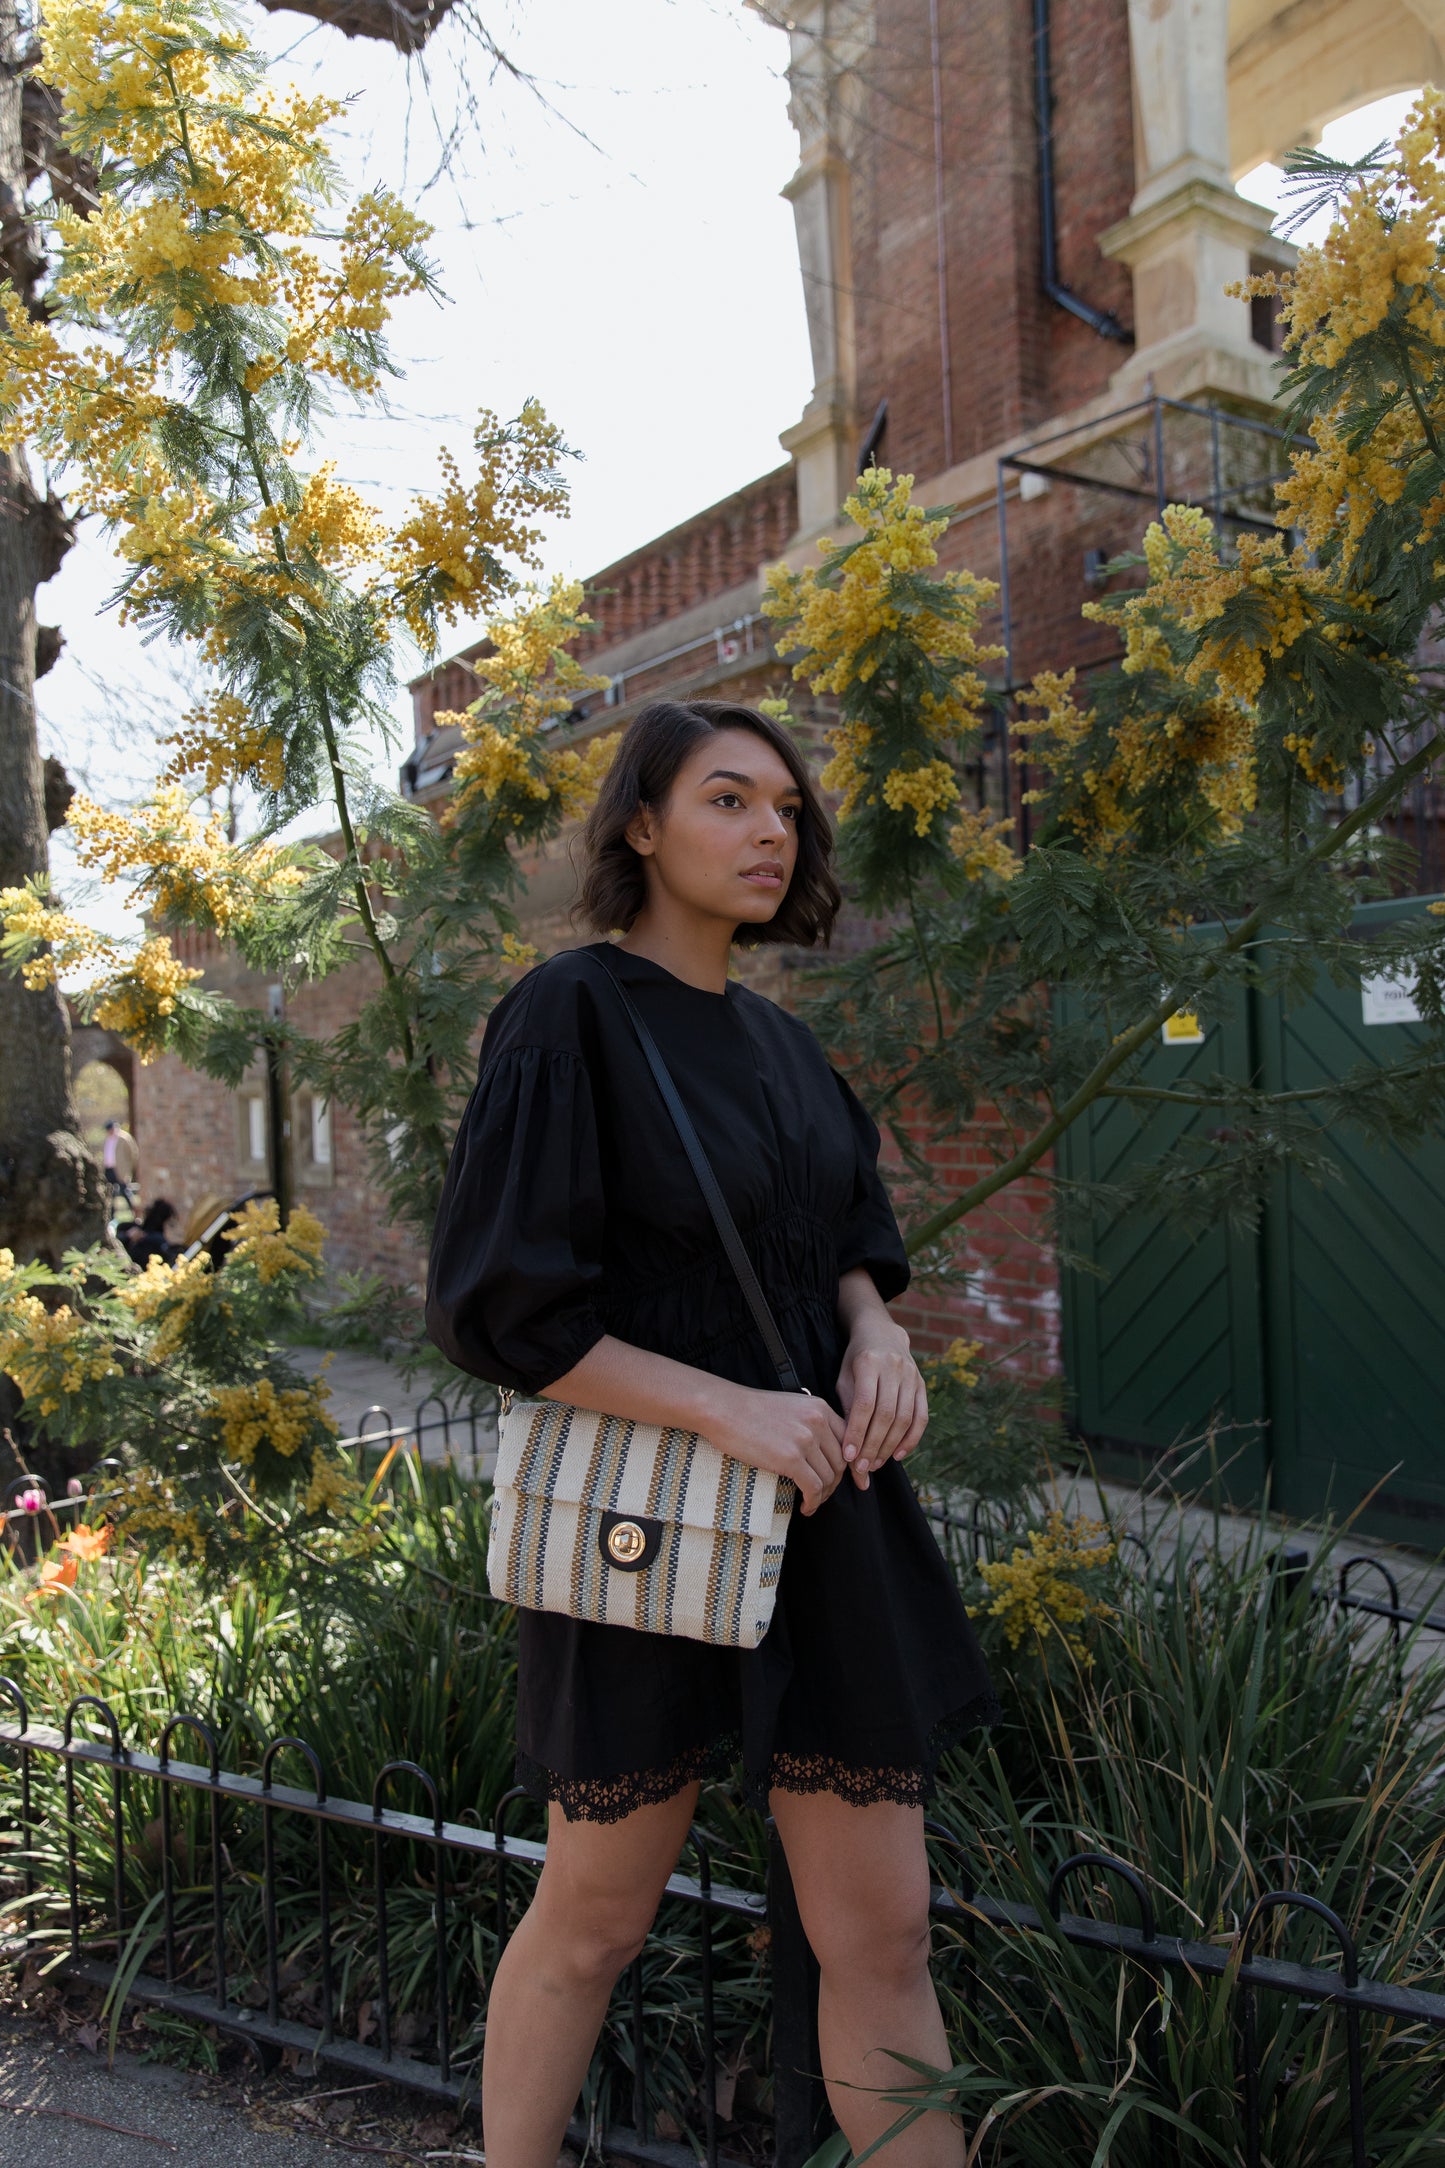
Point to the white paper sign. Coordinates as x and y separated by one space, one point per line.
1387 997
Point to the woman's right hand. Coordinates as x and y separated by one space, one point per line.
791 1434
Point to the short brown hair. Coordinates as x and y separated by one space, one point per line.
654 746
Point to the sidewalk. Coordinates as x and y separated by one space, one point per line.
61 2104
362 1384
1160 1521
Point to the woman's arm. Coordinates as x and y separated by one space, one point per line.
880 1384
791 1434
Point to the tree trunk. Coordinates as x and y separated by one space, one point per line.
50 1191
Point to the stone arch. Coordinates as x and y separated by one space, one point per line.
91 1046
1296 65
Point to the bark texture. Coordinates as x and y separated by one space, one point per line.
405 27
50 1191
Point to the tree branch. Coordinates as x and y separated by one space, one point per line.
925 955
1138 1035
1403 356
1260 1102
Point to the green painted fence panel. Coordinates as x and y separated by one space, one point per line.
1355 1291
1316 1347
1162 1328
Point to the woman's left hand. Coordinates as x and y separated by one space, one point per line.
883 1396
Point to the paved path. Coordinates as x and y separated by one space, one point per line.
360 1384
54 2097
1418 1576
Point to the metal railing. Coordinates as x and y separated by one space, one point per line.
202 1986
983 1527
798 2105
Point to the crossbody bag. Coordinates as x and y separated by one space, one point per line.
642 1524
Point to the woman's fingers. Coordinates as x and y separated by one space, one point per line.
828 1434
903 1419
894 1386
898 1416
860 1412
820 1452
917 1425
818 1484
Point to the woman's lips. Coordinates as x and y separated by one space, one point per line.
765 876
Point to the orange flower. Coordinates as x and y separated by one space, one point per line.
56 1574
87 1543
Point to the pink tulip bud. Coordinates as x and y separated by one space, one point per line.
75 1488
32 1501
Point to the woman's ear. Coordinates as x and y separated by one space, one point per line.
639 832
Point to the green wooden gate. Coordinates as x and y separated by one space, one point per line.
1316 1347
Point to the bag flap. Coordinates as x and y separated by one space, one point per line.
611 1465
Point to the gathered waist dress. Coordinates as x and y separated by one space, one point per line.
570 1211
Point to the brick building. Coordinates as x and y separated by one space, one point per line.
1015 229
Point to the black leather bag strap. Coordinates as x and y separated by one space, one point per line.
732 1241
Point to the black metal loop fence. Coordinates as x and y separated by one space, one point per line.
34 1755
413 1855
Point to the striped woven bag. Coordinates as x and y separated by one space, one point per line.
641 1524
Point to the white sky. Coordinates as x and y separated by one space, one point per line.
1349 138
613 242
616 246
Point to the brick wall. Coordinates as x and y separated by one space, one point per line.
1093 187
1049 537
196 1131
1016 357
1011 1300
713 554
709 555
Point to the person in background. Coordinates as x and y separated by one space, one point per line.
145 1238
120 1162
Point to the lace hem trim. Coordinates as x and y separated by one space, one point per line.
874 1786
611 1799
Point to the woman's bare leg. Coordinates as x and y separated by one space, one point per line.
862 1884
598 1891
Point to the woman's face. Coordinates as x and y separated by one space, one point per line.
726 843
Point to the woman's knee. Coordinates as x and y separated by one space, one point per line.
602 1948
885 1942
592 1934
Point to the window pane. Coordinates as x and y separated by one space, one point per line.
321 1132
256 1127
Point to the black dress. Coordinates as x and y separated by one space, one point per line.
570 1211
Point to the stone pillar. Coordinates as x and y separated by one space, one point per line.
1188 234
829 40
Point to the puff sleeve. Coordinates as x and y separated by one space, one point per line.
868 1234
516 1255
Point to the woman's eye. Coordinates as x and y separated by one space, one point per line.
791 812
727 797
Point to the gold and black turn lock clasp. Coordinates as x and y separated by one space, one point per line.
627 1541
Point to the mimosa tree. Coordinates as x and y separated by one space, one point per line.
1237 772
197 323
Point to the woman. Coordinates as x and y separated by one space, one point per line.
574 1259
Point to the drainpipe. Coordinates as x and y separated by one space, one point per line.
278 1125
945 356
1104 321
